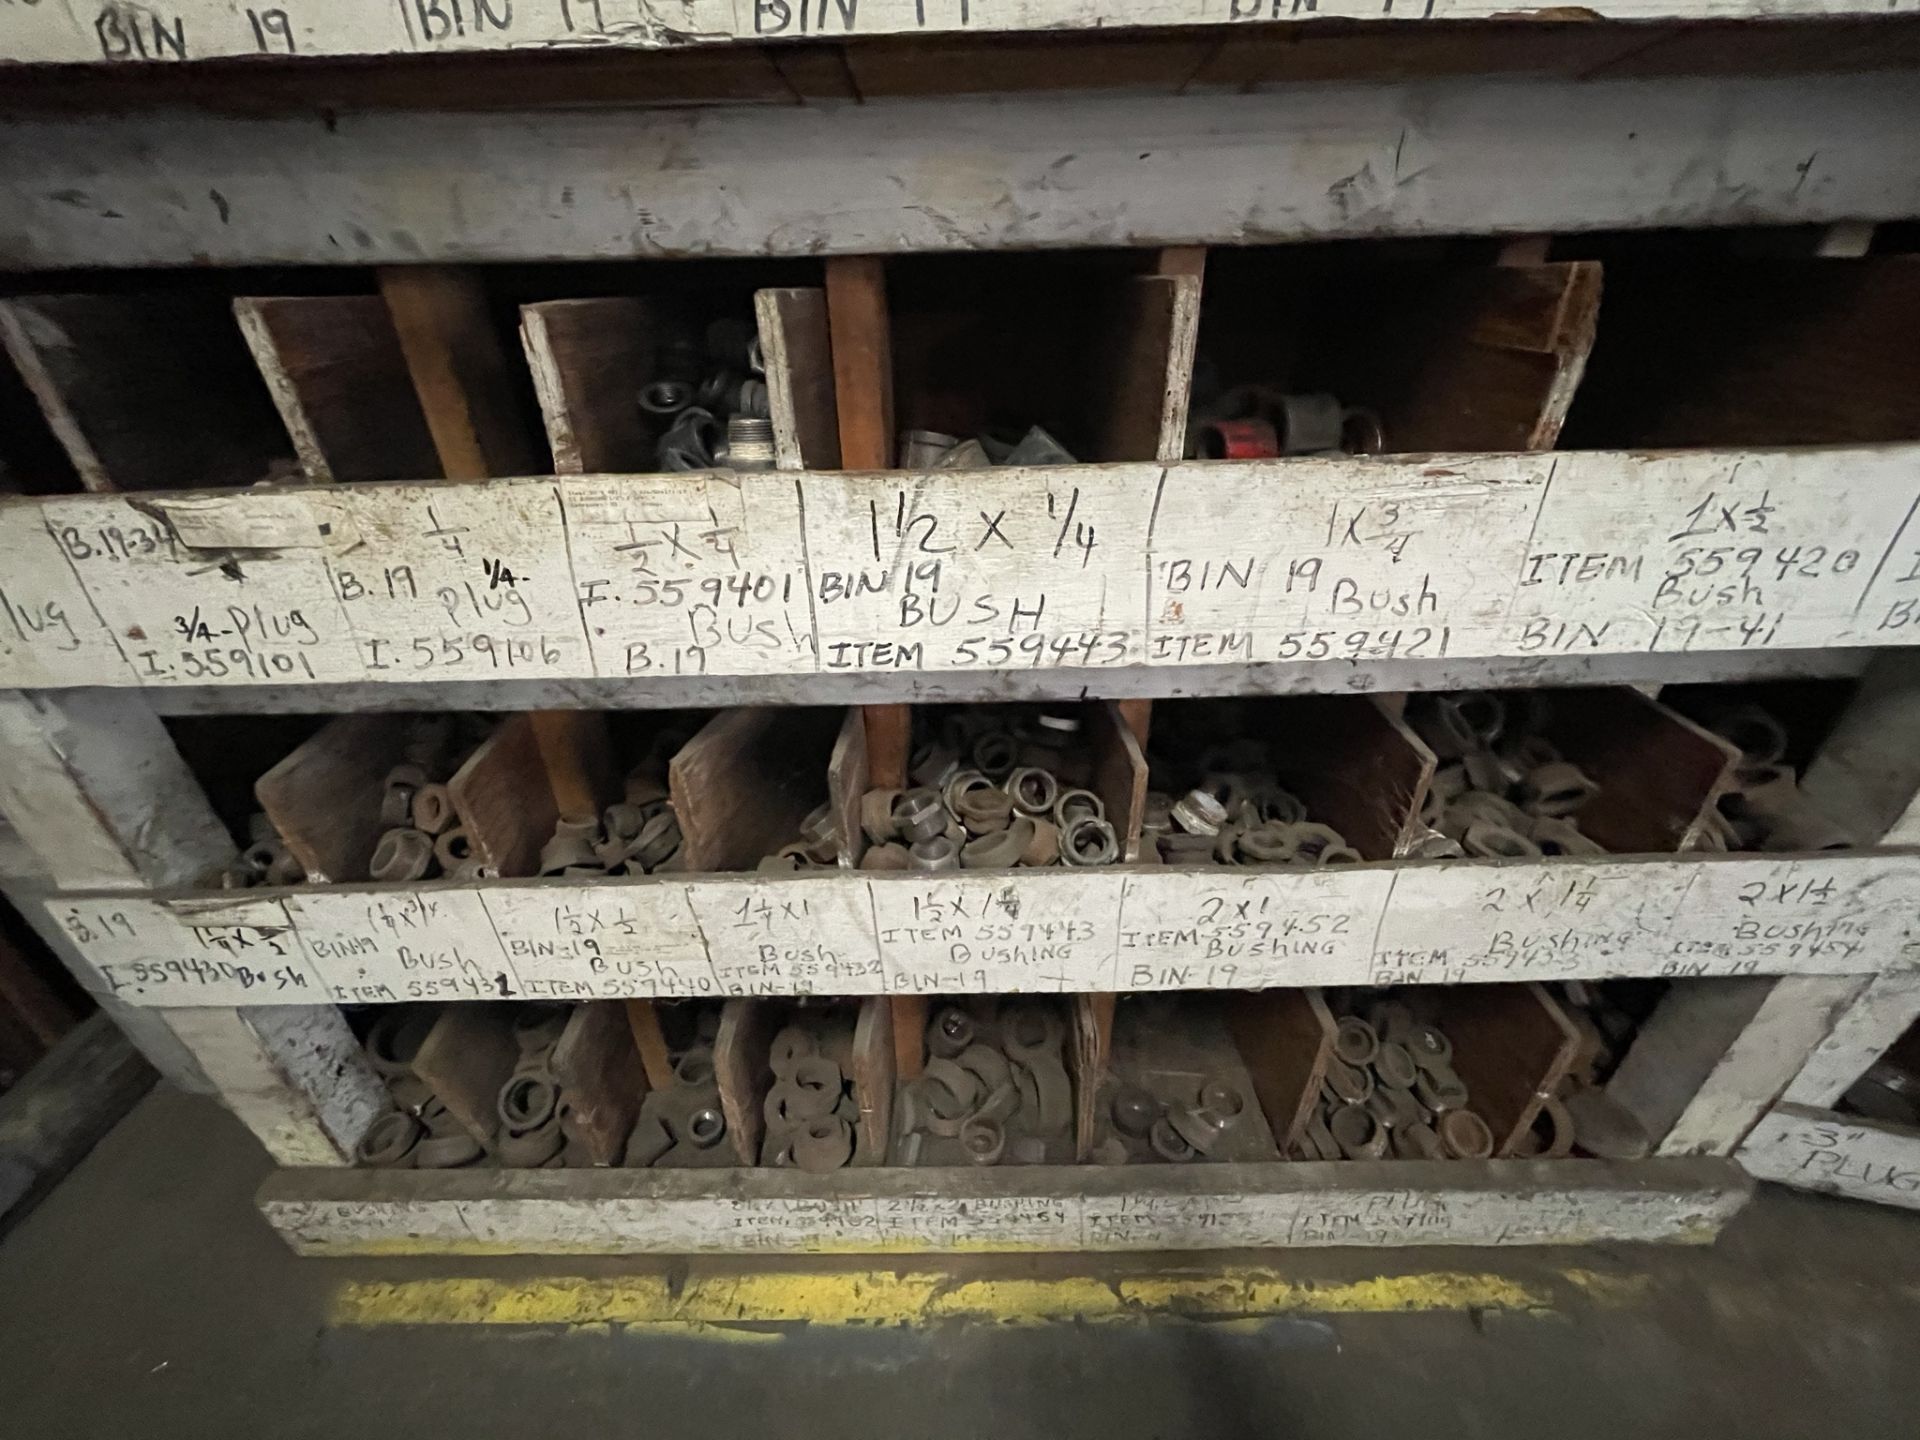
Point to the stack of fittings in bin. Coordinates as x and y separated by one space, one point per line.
932 450
1256 422
1391 1090
818 847
711 402
423 837
810 1112
639 835
992 792
1765 809
1147 1129
1237 813
265 861
1501 791
419 1133
537 1130
682 1125
995 1089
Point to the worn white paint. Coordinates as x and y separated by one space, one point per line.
1889 1006
1834 1154
1027 930
1201 1207
1094 571
193 30
1436 157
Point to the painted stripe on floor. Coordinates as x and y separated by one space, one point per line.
906 1298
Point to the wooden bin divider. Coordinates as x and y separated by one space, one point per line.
1285 1039
643 1023
847 782
1089 1052
332 364
467 1056
872 1074
798 351
146 391
600 1074
324 797
505 799
1356 765
1513 1046
589 360
743 784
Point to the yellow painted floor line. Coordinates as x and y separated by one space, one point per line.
875 1297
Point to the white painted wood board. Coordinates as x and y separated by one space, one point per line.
1129 929
194 30
1456 155
1102 568
1882 1014
1834 1154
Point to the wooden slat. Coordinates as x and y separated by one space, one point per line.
504 798
1513 1045
801 392
743 784
862 341
589 360
324 798
643 1021
467 1056
1285 1038
601 1076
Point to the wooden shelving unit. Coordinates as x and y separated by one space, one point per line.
446 306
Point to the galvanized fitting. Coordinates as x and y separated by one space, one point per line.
967 455
1037 447
1077 804
920 814
1089 840
936 852
1427 1045
1338 855
890 856
1156 816
923 449
1222 1102
960 784
749 444
1432 845
998 849
985 811
433 809
1198 813
401 855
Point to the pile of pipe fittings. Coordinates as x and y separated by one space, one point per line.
423 836
1237 813
537 1129
1501 790
1391 1090
817 848
1765 809
995 1089
637 835
810 1112
1145 1128
1263 422
932 450
265 861
710 402
992 792
1580 1117
682 1124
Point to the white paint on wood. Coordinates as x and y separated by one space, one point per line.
187 31
287 398
1029 930
1076 569
1202 1207
1834 1154
1884 1012
1445 156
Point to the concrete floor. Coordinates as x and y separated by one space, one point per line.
146 1298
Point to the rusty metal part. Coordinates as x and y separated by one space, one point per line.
1439 1089
1427 1044
1168 1143
1557 789
1604 1128
950 1032
789 1046
877 820
1354 1041
823 1145
1033 790
891 856
647 1143
446 1152
937 852
1418 1142
1358 1134
401 855
531 1148
1043 846
1465 1135
527 1102
962 1085
706 1126
433 809
1350 1084
389 1142
1073 804
1394 1065
1089 840
454 848
1199 813
984 1140
1497 842
1134 1110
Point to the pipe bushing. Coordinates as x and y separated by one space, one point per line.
1350 1084
1562 837
433 809
1030 1031
920 815
788 1048
1198 813
658 841
454 848
1089 840
578 825
1266 845
1554 1129
1168 1143
389 1142
705 1127
936 852
1133 1111
823 1145
1033 790
401 855
1044 846
984 812
950 1033
563 852
890 856
876 815
1417 1142
1193 1127
1355 1042
961 784
527 1102
819 1081
1277 805
446 1152
1319 1139
1073 804
962 1085
988 1064
933 765
1427 1044
1556 789
1338 855
1222 1101
530 1149
1053 1092
1358 1134
1394 1108
1465 1135
818 828
622 821
396 806
1394 1066
1438 1088
984 1140
995 754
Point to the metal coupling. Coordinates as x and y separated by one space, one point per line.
401 855
749 444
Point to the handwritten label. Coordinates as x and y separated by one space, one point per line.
1827 1151
585 942
1236 929
383 946
809 936
1015 931
205 952
49 633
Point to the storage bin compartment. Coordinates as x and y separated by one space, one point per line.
645 375
1314 779
1387 346
1084 346
1704 343
806 1084
148 389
